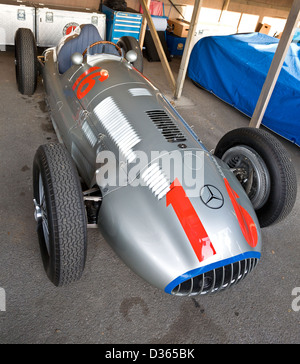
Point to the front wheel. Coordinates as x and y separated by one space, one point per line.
264 169
60 214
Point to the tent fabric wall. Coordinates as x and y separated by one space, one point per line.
234 68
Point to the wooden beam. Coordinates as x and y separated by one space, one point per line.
157 43
225 5
276 65
187 49
144 26
262 4
224 8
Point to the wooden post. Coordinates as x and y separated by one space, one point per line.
144 26
224 8
187 49
159 48
276 65
225 5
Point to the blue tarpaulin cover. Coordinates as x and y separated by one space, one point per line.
235 67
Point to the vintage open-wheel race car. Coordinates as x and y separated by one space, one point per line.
184 219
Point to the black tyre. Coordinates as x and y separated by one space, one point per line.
26 61
128 43
60 214
150 50
265 170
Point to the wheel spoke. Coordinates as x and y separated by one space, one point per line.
43 208
251 171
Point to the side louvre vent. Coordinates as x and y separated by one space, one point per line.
167 127
117 127
156 180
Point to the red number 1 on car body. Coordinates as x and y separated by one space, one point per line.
190 221
246 222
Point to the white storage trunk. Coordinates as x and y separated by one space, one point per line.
14 15
54 23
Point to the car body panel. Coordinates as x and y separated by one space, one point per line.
166 235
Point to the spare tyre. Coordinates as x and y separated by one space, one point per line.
26 61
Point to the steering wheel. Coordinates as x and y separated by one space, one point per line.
104 42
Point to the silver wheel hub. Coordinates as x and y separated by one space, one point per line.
251 171
37 211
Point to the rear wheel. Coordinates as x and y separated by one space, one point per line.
128 43
60 214
26 61
264 169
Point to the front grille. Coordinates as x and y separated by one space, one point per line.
166 125
216 280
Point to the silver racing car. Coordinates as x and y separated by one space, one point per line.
184 219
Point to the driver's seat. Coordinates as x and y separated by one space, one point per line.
78 43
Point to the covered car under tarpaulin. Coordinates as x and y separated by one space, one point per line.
234 68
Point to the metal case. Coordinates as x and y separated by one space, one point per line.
121 23
55 22
14 15
175 44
